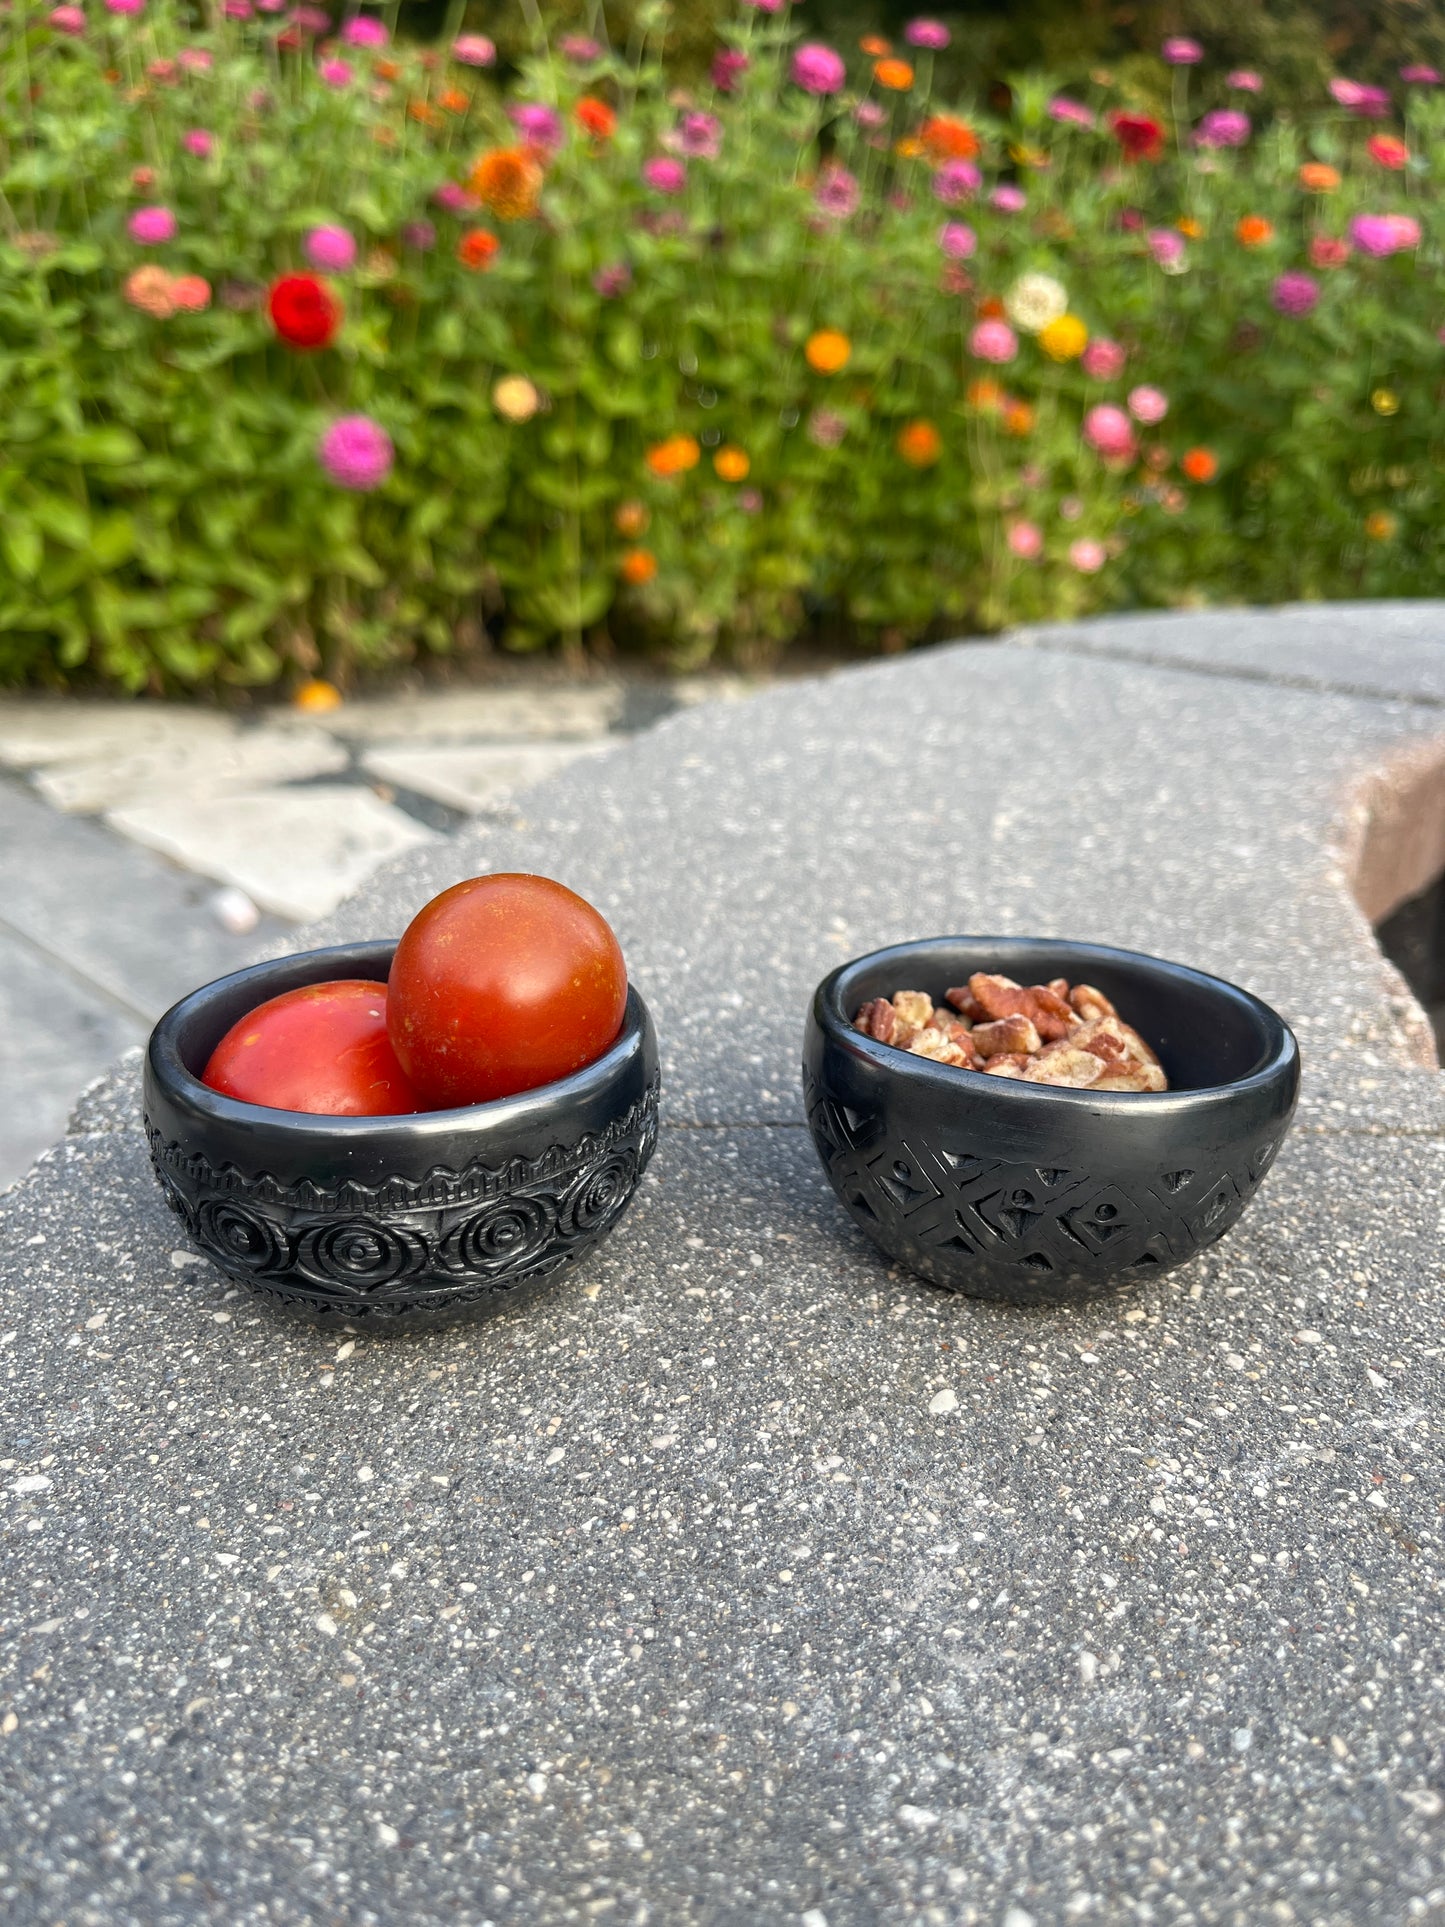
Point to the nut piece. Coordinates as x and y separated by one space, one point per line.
1060 987
1007 1065
1006 1036
1002 997
966 1004
1078 1069
877 1019
914 1007
932 1043
1129 1076
1089 1002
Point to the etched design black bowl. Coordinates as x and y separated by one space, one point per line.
392 1223
1032 1193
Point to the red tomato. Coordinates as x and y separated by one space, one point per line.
323 1048
501 984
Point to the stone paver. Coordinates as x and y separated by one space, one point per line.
177 772
683 1595
473 776
296 852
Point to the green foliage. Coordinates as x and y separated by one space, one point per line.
614 420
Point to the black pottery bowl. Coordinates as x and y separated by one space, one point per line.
1030 1192
392 1223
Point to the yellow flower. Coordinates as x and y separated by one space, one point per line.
516 399
731 464
827 351
316 697
1385 401
1064 339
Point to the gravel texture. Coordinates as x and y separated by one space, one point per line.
741 1579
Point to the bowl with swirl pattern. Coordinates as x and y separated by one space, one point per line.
392 1223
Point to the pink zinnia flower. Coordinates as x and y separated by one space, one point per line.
993 341
1109 430
927 33
124 6
1148 405
868 113
664 175
766 6
956 181
1009 199
1420 76
356 452
1180 51
237 9
958 240
540 126
1224 127
452 196
1370 103
420 235
336 73
1087 555
332 249
612 280
826 427
152 225
198 142
700 136
1026 539
362 31
1245 81
1103 360
1384 234
581 48
728 68
194 60
817 69
474 50
837 192
68 20
1166 246
1071 112
1295 294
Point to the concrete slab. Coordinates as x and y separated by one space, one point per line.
191 768
38 732
474 776
683 1597
481 715
296 852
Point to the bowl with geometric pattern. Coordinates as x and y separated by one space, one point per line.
392 1223
1037 1193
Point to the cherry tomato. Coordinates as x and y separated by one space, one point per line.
322 1048
501 984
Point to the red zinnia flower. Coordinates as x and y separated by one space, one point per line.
303 311
1140 136
595 117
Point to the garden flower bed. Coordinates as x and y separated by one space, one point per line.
317 350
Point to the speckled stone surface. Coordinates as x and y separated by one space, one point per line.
741 1580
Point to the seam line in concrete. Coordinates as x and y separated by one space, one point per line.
1223 672
75 974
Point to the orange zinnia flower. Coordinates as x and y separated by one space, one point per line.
675 456
875 46
455 101
423 111
1319 177
991 308
947 139
476 248
731 464
387 70
984 394
1253 231
827 351
595 117
639 566
920 444
1191 229
630 519
1018 418
1199 465
1380 525
508 181
896 75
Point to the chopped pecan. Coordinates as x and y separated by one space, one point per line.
1006 1065
933 1043
1128 1075
1089 1002
1006 1036
1060 987
915 1007
958 1028
878 1019
1045 1009
966 1004
1103 1036
1078 1069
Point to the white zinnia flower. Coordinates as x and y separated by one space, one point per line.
1034 301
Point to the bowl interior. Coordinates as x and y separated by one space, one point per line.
202 1019
1207 1032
